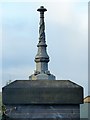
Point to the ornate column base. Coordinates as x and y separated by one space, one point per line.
42 76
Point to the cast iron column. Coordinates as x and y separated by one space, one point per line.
42 57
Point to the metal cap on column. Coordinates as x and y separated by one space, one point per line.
42 58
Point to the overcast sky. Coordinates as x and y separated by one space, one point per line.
66 36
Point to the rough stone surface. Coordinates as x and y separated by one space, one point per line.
55 112
42 92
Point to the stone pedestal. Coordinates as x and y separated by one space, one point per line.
42 99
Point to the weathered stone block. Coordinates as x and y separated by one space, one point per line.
42 92
41 112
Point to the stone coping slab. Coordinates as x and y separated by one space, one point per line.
42 92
